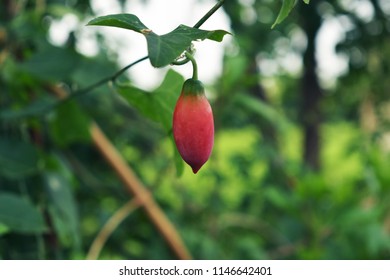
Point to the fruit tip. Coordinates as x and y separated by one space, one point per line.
195 170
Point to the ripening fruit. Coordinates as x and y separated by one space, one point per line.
193 125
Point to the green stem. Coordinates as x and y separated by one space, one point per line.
194 66
101 82
199 24
209 13
83 91
117 74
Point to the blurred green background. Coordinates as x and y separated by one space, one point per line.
300 167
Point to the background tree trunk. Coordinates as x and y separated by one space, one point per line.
310 111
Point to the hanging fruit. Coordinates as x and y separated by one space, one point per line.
193 125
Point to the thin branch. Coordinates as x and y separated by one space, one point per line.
135 186
115 76
209 13
109 227
83 91
111 78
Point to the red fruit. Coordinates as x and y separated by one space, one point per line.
193 125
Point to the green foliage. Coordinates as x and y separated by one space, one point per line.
44 64
263 110
254 199
287 6
19 215
69 125
35 108
157 105
17 158
285 10
163 49
62 208
127 21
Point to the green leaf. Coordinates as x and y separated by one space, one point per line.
264 110
173 82
3 229
19 215
159 104
92 69
126 21
36 108
17 158
62 208
58 10
179 163
69 125
147 103
277 198
53 64
166 48
170 88
287 6
306 1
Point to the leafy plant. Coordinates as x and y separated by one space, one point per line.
62 177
